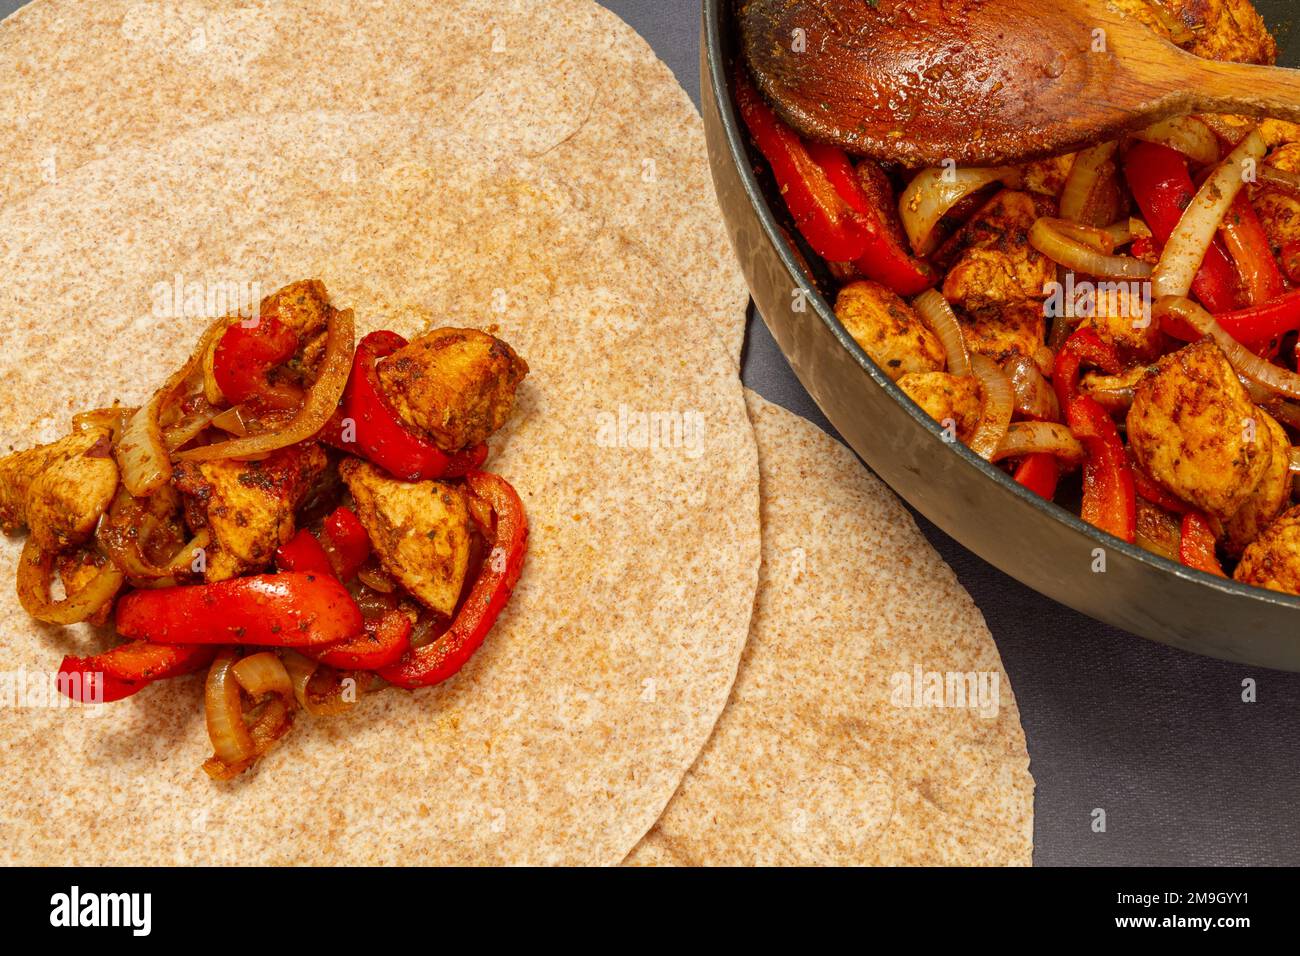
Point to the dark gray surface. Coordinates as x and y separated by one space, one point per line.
1186 772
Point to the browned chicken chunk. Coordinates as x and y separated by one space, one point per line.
248 505
947 399
303 306
59 490
888 329
998 266
1278 211
1273 559
1270 498
1214 29
1017 329
419 530
1194 430
456 385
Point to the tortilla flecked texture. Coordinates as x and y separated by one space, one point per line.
821 757
564 737
563 81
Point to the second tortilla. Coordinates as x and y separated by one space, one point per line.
823 755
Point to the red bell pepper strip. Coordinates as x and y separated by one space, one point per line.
348 544
435 662
1083 346
1196 546
246 352
381 435
1259 324
1039 473
832 228
1148 490
383 643
270 610
465 461
304 554
128 668
1109 500
1246 240
884 260
1163 187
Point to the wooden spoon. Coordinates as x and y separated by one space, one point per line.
985 81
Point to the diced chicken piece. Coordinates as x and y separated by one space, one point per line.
1270 498
998 266
1194 430
248 505
948 399
889 330
1273 560
1121 316
59 490
302 306
1278 211
419 530
1047 177
456 385
1214 29
1002 333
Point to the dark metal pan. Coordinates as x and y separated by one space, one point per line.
1038 543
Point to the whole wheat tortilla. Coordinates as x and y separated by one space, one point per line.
564 737
815 760
564 81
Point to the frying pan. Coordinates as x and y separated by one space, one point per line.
1039 543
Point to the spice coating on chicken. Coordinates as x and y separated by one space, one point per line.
419 530
455 385
997 266
1194 430
1273 559
1272 495
248 505
889 330
948 399
59 490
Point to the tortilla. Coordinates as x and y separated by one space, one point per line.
564 81
562 740
816 760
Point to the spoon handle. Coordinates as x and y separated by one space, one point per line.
1241 88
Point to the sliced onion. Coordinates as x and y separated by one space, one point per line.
1083 180
1186 134
1125 231
998 404
232 745
1032 438
1279 380
141 453
36 575
262 674
930 196
232 421
187 429
124 532
1035 397
939 316
1195 232
1049 238
374 577
1114 400
114 419
321 401
1294 463
301 671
